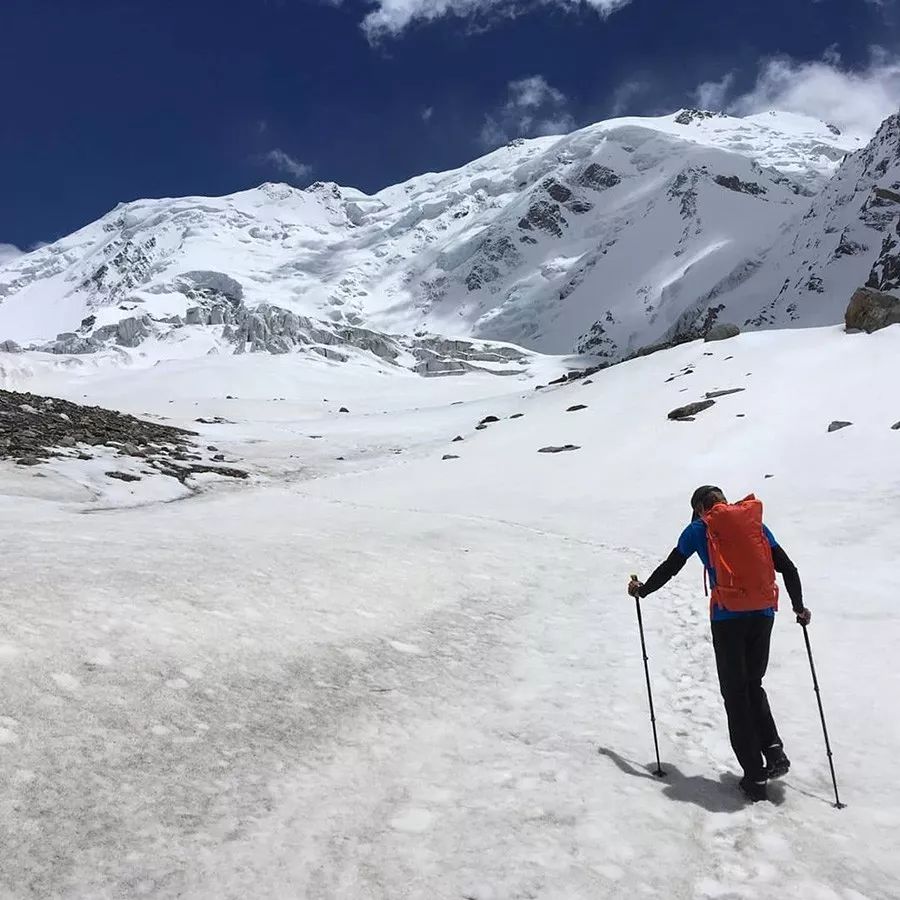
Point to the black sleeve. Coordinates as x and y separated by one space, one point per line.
667 570
791 577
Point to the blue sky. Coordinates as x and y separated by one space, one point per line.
112 100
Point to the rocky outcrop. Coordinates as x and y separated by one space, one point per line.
689 116
32 425
544 215
34 429
733 183
598 178
9 347
837 425
871 310
885 274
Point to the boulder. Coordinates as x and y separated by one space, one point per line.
895 426
711 395
687 412
562 449
577 407
722 332
449 456
838 425
871 310
487 420
9 347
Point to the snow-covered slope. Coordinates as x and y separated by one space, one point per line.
809 274
598 240
392 675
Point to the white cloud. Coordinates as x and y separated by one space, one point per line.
427 113
287 164
713 94
856 100
9 252
530 93
390 17
624 94
533 108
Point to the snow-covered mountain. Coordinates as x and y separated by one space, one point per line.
620 235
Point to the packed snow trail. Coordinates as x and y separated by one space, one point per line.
423 679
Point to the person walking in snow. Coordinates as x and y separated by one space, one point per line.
740 557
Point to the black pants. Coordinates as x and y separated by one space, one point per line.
742 655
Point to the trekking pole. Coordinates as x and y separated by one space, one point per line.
812 668
637 601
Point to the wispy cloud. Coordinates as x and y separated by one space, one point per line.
857 99
427 113
624 95
533 108
9 252
391 17
287 164
714 94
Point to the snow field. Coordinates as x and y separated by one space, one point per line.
404 677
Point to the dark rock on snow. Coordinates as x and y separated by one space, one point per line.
449 456
576 407
838 425
711 395
895 426
123 476
562 449
458 438
684 412
487 420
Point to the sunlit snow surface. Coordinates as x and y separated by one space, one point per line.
392 676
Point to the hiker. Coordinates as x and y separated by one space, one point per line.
740 557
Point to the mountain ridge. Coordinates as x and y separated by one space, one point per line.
620 235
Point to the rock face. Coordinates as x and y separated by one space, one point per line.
691 410
722 332
871 310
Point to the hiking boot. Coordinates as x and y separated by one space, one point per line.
754 791
777 763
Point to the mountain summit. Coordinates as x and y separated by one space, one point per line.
620 235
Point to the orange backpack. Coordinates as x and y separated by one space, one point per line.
741 557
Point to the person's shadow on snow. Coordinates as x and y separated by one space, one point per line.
722 795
